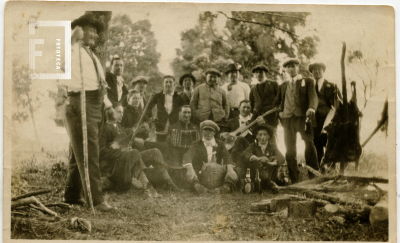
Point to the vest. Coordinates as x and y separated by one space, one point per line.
210 101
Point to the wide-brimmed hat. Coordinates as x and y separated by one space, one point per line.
232 68
140 78
317 64
214 71
259 67
88 19
291 60
188 75
265 127
208 124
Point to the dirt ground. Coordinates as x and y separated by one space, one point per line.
176 216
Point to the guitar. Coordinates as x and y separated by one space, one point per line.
240 131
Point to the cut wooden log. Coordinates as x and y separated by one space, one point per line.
334 199
263 206
302 209
280 203
379 216
29 194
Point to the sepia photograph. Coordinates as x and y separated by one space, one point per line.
199 122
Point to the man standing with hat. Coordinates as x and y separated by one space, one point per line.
118 90
262 96
209 101
235 90
210 150
140 83
327 93
298 101
168 103
86 66
187 81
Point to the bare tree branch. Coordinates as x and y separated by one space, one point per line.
263 24
279 15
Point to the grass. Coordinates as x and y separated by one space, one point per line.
176 216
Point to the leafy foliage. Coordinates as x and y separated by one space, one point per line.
249 38
136 45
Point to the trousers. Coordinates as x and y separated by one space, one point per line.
73 122
292 126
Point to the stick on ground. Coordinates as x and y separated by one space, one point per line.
34 193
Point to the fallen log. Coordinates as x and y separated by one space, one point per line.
29 194
316 173
337 209
334 199
23 202
357 179
379 216
63 205
263 206
32 201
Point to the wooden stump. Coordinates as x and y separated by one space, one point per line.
281 203
302 209
263 206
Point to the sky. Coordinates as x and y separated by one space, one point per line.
367 28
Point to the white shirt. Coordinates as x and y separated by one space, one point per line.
89 73
209 144
240 91
120 84
320 83
242 122
168 102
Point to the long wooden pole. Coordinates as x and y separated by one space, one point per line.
85 138
345 103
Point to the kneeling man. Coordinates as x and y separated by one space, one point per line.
264 156
210 150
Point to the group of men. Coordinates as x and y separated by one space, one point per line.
193 128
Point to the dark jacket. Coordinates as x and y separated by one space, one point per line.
232 124
131 118
185 98
162 115
110 132
198 154
112 93
271 150
267 91
307 95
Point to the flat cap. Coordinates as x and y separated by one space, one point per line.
232 68
290 61
214 71
270 130
317 64
88 19
168 76
188 75
208 124
140 78
259 67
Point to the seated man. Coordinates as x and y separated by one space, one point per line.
264 156
132 113
119 163
180 137
210 150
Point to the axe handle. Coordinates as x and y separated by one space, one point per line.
85 136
